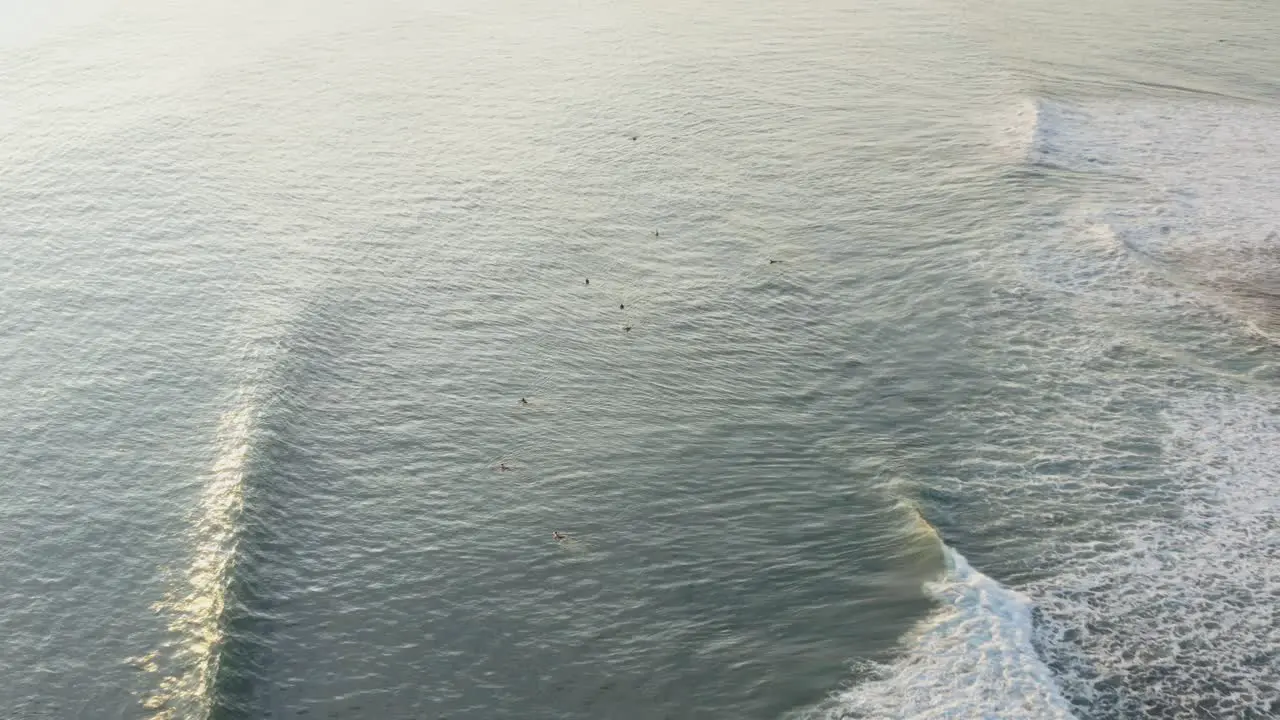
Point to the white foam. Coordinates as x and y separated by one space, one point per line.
1192 192
1174 613
1167 609
1177 618
1015 136
971 658
1159 598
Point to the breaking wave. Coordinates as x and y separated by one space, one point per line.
973 657
1184 189
1157 597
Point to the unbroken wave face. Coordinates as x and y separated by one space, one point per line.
197 604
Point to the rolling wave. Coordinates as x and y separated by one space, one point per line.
1172 615
1158 598
202 604
974 656
278 488
196 609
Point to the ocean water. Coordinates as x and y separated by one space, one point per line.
912 359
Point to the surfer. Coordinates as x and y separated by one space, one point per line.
502 467
559 536
621 306
523 401
774 261
587 281
627 328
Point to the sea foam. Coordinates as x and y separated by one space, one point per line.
971 658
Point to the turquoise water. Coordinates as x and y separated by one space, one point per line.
926 366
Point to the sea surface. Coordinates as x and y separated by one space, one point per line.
879 359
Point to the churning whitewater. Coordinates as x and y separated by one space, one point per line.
1165 608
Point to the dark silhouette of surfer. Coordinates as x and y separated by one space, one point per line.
774 261
559 536
587 281
502 467
523 401
627 328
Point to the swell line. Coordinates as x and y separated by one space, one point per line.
197 605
